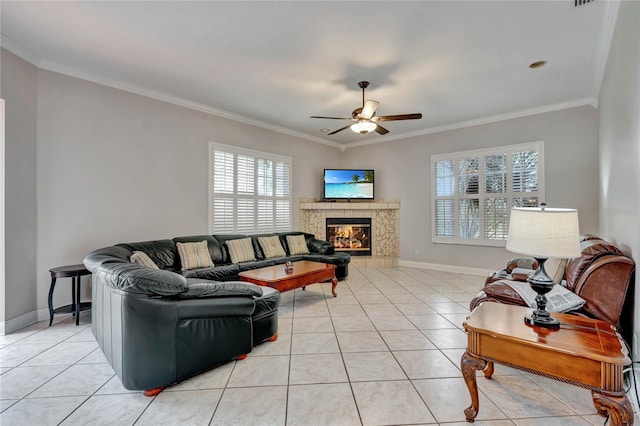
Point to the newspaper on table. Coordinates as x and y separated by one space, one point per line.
559 299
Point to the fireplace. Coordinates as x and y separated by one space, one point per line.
350 235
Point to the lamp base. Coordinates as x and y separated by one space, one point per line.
541 284
534 320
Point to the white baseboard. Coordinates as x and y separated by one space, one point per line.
15 324
43 314
445 268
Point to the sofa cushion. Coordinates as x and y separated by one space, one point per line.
216 273
142 259
297 244
592 250
222 240
198 288
285 259
194 255
271 246
338 259
162 252
214 246
240 250
247 266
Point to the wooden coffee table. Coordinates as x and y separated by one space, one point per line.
583 352
305 272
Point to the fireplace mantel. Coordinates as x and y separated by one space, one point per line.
385 225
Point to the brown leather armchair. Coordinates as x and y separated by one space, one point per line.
602 276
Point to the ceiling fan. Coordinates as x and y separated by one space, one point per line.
365 119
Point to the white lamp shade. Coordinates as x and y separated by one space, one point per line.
544 233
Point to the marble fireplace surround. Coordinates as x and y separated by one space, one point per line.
385 227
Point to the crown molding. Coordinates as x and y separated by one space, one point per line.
480 121
19 51
175 100
48 65
608 30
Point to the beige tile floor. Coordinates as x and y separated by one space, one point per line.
384 352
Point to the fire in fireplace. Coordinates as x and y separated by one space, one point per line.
351 235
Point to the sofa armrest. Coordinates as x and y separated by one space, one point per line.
320 246
133 278
521 274
521 262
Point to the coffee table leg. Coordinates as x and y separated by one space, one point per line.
617 407
469 365
334 284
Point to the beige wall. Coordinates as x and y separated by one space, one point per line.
403 171
117 167
620 143
19 90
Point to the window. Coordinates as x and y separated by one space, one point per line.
473 192
249 191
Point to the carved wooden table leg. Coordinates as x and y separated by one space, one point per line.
469 365
488 370
334 284
617 407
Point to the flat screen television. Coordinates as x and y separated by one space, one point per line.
347 184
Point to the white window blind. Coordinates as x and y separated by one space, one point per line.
249 191
473 192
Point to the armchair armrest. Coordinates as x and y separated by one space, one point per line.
521 274
521 262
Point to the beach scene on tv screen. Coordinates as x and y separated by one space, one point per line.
348 184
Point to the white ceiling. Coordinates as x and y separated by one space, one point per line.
275 63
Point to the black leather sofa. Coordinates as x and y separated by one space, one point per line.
165 254
157 327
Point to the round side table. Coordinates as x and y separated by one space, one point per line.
75 272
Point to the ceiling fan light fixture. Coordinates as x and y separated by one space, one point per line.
363 127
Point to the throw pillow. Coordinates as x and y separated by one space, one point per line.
297 244
194 255
271 246
240 250
142 259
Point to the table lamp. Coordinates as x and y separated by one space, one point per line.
542 233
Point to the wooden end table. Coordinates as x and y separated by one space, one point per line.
75 272
583 352
305 272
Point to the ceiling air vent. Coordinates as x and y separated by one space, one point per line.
582 2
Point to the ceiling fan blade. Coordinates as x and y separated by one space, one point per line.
339 130
381 130
397 117
333 118
369 109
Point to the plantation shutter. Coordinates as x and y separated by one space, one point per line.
250 191
473 192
